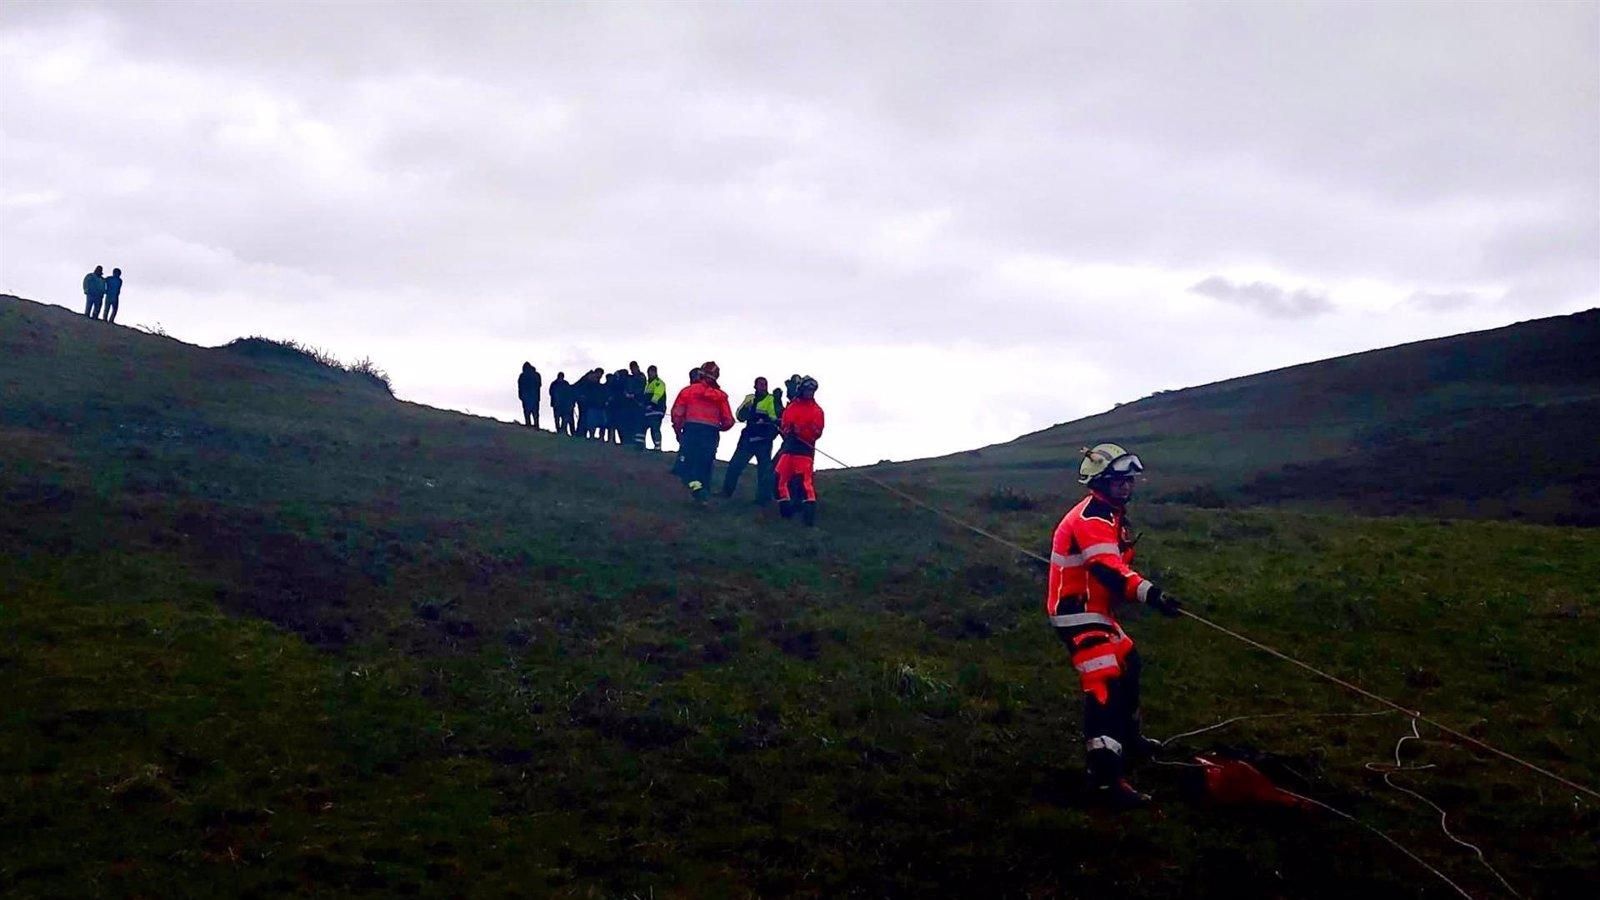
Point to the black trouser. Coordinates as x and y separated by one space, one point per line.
699 449
530 415
635 433
759 450
111 307
652 426
91 305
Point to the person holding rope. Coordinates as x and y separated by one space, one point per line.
1090 573
801 427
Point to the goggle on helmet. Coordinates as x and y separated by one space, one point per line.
1107 461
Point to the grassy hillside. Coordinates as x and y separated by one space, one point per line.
1501 424
266 630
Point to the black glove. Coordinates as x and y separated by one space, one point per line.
1162 602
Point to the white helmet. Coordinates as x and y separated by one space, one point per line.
1107 460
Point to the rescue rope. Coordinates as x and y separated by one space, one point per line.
1415 714
1444 817
1394 843
1385 770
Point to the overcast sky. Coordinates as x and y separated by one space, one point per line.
968 221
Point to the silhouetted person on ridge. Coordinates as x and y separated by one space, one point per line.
633 389
615 410
759 412
583 396
113 293
597 404
528 384
561 403
94 292
655 395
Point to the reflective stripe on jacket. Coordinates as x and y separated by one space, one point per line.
1090 557
760 417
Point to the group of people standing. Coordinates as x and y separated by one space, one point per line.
627 407
624 407
102 293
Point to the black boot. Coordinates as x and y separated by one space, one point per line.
1142 749
808 513
1107 786
785 509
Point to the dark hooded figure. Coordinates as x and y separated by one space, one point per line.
614 411
592 405
528 384
637 404
113 294
94 292
561 403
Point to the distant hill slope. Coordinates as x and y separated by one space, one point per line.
1501 423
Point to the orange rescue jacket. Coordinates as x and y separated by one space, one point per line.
1090 566
702 403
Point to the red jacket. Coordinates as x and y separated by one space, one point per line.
801 426
702 403
1090 557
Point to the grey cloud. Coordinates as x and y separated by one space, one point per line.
1445 301
1265 298
709 172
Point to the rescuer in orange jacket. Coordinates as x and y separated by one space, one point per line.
801 427
699 416
1090 573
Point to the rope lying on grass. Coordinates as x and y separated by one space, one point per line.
1415 714
1387 771
1444 817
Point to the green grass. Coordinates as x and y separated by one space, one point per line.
265 630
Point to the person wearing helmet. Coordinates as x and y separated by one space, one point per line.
699 416
801 427
1090 573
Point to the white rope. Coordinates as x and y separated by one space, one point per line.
1392 842
1444 817
1386 771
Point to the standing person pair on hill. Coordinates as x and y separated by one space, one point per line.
102 292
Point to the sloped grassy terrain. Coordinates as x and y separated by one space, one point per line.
266 630
1501 424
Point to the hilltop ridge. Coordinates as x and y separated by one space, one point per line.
1503 423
